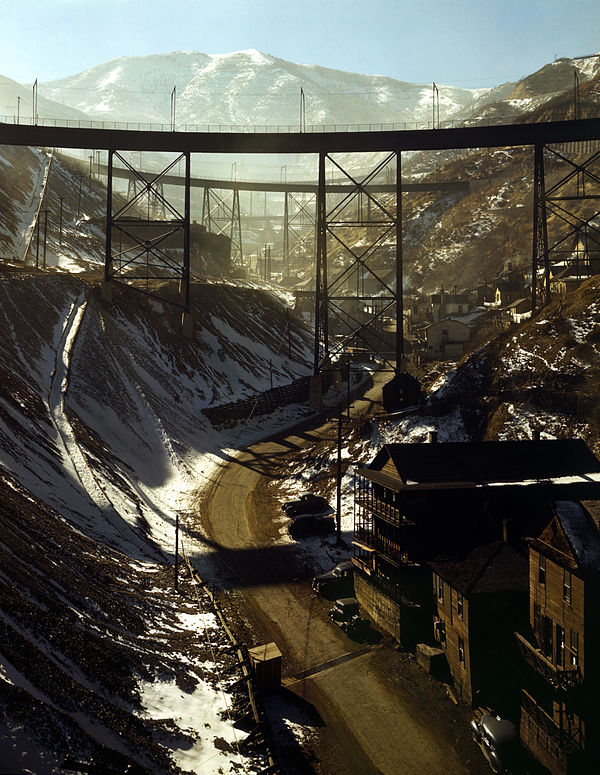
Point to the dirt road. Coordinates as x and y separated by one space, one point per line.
373 709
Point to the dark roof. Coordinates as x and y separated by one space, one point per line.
496 567
581 533
486 462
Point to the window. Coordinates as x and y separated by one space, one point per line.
459 604
439 629
560 646
547 636
567 586
542 570
461 651
574 647
537 620
440 589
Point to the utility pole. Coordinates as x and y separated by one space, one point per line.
338 492
37 243
34 107
79 199
348 376
173 104
45 233
576 94
436 106
302 111
177 552
18 110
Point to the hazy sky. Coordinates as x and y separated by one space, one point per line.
469 43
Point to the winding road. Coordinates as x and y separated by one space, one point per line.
374 709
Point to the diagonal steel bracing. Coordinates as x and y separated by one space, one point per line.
566 228
359 267
299 228
148 237
221 215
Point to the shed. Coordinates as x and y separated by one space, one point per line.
266 664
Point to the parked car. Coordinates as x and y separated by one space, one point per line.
499 740
311 525
345 613
338 579
306 504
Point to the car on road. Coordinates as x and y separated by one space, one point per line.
307 525
345 613
306 504
498 739
339 579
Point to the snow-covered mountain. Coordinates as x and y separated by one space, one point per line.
250 87
17 103
247 87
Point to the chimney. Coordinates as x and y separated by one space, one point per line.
433 437
536 434
505 529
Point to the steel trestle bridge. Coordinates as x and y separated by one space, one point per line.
385 217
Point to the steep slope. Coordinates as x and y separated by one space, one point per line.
16 103
460 240
540 376
102 448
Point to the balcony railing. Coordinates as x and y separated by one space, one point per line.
570 740
559 677
382 509
384 546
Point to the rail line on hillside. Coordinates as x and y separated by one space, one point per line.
73 456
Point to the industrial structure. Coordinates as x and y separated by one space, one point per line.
386 223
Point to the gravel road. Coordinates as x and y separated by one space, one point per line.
373 709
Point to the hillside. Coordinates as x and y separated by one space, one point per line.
542 375
102 445
462 239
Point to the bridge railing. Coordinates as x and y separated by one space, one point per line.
142 126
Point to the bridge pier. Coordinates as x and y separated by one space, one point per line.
358 305
153 236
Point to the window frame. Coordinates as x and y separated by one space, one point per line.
542 569
459 604
567 586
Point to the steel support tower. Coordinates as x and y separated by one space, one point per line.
299 228
221 215
143 251
566 227
358 303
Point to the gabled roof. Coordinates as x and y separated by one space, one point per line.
518 302
578 535
445 322
496 567
488 462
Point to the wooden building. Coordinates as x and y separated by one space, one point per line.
480 600
446 340
560 719
417 502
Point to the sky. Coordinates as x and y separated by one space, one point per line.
467 43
